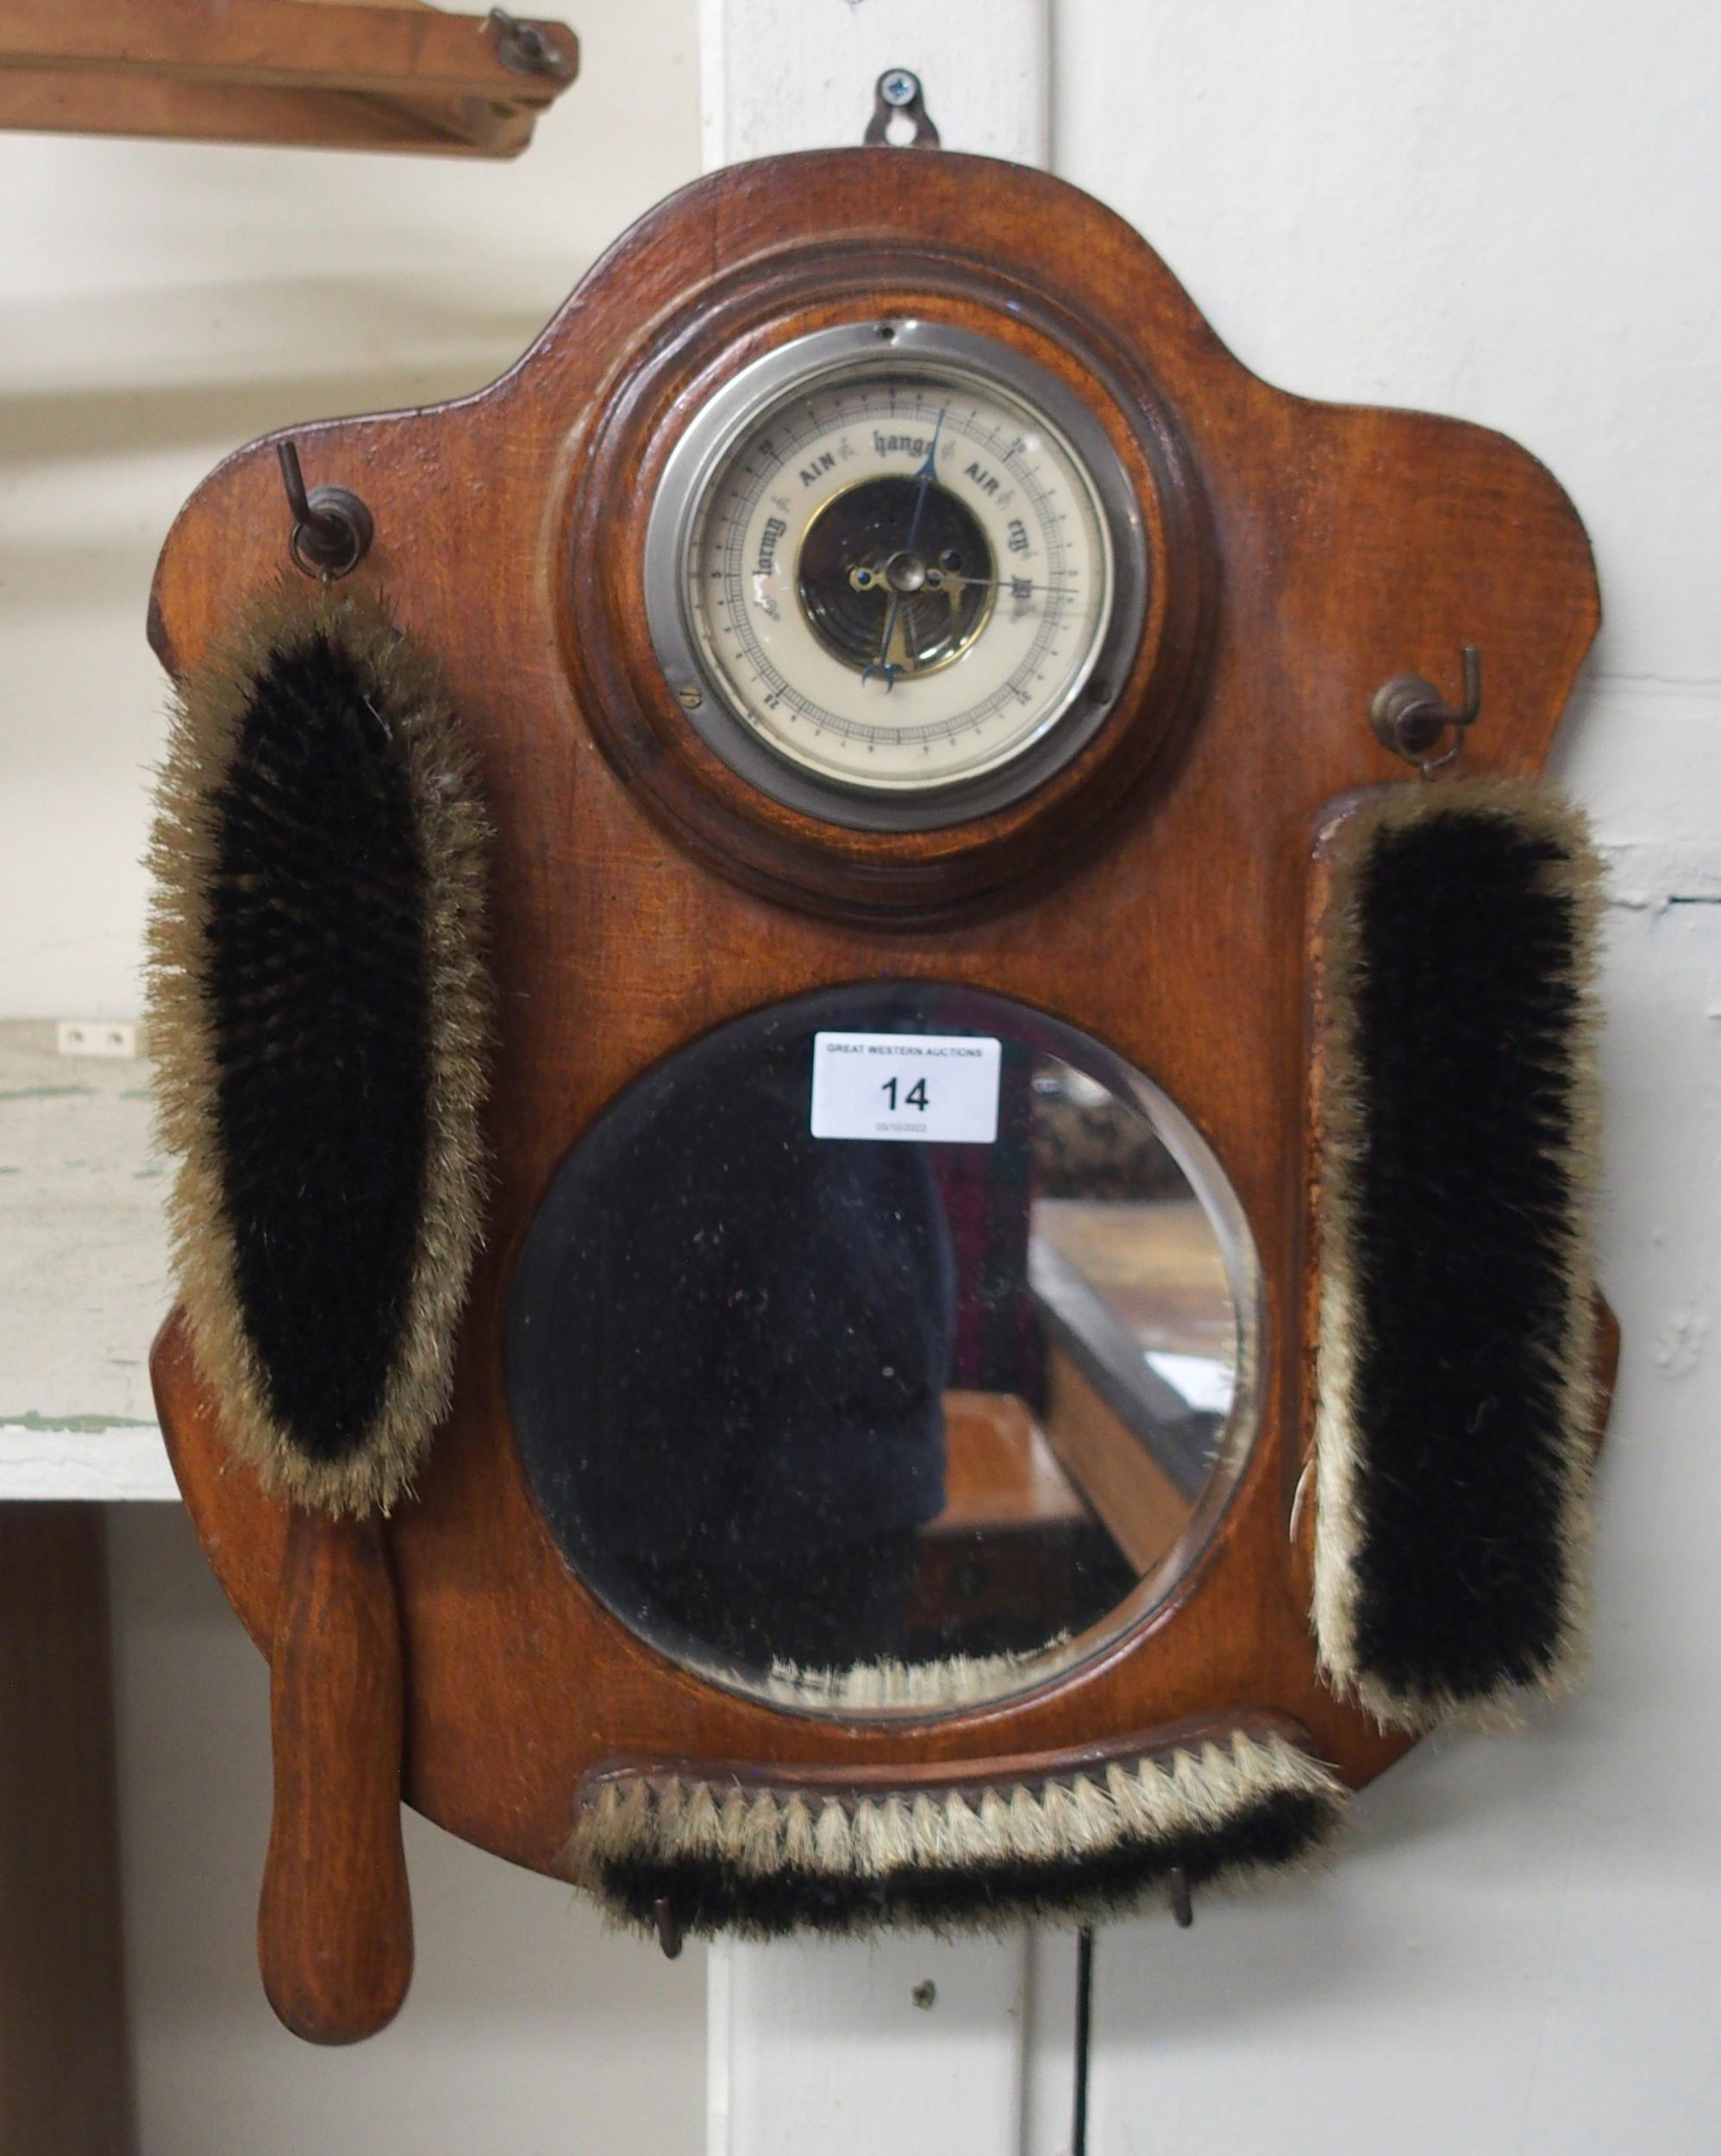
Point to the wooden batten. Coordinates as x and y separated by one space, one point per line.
308 74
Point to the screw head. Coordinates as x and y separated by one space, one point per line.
691 698
897 87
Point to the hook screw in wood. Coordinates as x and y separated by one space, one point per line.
1410 716
332 527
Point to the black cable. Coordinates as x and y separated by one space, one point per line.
1084 2026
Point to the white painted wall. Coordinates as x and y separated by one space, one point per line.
782 75
1505 211
813 2039
160 305
528 2031
1508 212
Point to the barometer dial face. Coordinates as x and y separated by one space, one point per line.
893 571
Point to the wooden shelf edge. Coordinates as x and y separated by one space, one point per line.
123 1463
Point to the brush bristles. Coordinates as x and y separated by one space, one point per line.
763 1862
1457 1126
319 1015
945 1682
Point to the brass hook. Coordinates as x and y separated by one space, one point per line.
1409 715
332 529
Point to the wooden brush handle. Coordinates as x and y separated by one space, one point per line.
334 1923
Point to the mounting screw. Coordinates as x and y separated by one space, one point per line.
523 47
691 698
899 102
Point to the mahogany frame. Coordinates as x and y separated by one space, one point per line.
1154 894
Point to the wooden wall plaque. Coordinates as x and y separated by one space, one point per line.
1152 893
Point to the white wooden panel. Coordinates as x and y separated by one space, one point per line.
1505 212
1509 214
1048 2055
1519 1948
780 75
101 1466
908 2045
531 2029
823 2045
82 1273
160 304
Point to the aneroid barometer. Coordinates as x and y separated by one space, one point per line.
892 569
905 662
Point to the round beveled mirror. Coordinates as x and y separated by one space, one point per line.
887 1349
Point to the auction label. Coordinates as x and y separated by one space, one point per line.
938 1087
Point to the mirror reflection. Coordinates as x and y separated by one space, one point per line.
907 1413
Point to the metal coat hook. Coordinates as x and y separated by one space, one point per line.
332 527
898 95
1409 715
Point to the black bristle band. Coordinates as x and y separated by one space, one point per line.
318 1013
317 990
766 1861
1455 1121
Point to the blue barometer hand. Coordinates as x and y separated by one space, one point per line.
925 473
884 667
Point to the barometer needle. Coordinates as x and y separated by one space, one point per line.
884 667
937 578
925 473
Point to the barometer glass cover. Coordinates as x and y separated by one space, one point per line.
894 573
883 1348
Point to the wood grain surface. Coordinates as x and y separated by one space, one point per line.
335 1920
313 74
1153 896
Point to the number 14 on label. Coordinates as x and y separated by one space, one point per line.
932 1088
